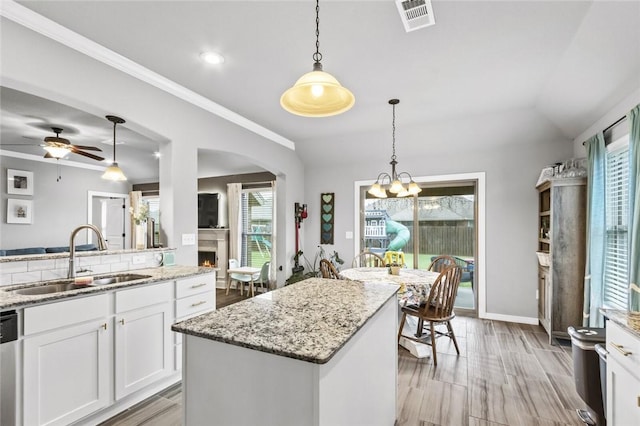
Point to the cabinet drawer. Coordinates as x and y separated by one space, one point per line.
135 298
623 347
194 304
195 285
62 314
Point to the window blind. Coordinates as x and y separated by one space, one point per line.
617 218
257 215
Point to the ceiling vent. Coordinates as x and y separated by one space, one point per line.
415 14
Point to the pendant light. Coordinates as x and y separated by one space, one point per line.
393 182
317 93
114 172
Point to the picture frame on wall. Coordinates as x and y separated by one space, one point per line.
19 182
19 211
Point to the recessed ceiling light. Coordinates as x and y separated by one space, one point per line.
212 57
157 154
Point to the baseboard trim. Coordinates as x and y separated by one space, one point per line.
509 318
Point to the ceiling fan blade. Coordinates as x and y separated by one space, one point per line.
86 154
87 148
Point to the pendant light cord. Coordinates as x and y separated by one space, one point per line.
317 57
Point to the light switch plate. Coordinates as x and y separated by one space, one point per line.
349 235
188 239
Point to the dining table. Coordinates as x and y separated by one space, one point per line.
415 285
247 271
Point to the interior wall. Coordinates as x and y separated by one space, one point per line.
85 83
219 185
58 207
511 148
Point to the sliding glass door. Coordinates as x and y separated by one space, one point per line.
441 220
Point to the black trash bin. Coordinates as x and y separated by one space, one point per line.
586 372
602 352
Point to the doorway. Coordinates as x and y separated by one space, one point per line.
442 219
108 211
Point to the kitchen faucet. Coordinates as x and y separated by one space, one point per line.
102 245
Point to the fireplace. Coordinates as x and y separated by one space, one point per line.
212 251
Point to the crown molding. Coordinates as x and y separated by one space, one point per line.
48 28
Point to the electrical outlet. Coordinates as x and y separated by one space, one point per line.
138 259
188 239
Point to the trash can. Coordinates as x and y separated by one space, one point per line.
586 372
602 352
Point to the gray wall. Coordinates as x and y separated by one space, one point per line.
511 147
58 207
84 83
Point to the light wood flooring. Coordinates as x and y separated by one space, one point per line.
506 374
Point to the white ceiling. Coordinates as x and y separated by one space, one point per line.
570 61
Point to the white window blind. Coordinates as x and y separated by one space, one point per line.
617 218
257 219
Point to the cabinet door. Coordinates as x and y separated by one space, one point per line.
143 348
623 395
66 373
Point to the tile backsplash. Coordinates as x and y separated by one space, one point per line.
25 269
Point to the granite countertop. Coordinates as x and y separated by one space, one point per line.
4 259
621 318
309 320
11 300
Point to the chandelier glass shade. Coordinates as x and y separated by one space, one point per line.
317 93
113 172
400 184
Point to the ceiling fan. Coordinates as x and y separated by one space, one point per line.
58 147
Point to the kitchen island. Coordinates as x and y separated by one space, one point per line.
317 352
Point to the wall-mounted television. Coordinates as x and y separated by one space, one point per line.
207 210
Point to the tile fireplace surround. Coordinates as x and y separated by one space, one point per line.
214 240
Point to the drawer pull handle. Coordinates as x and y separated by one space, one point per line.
620 348
198 285
121 321
104 326
202 302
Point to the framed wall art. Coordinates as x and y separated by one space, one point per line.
19 211
19 182
326 217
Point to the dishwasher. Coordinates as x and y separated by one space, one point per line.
8 366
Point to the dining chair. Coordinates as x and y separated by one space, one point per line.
264 277
437 310
241 279
368 259
328 270
439 263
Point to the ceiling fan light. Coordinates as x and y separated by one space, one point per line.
396 187
113 172
317 94
57 152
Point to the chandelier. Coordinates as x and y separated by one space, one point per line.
394 182
317 93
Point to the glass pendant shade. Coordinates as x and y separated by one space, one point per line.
396 187
377 191
317 94
113 172
413 188
57 152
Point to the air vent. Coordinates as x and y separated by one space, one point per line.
415 14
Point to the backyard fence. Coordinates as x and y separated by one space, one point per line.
453 240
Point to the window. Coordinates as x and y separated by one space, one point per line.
617 218
257 219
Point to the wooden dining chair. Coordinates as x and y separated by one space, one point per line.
437 310
439 263
328 270
367 259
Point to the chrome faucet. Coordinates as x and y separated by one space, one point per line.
102 245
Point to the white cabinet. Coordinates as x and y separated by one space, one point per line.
623 376
194 296
66 370
143 337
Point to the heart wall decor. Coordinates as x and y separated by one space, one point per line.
327 213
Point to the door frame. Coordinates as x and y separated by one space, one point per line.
90 197
480 179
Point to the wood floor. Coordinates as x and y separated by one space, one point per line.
506 374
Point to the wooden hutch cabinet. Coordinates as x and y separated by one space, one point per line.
562 211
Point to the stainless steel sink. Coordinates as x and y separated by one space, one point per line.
67 285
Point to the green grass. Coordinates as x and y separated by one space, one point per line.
424 260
